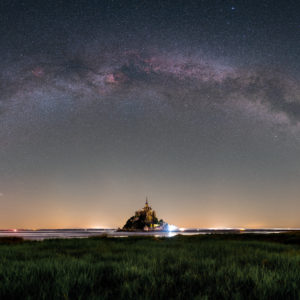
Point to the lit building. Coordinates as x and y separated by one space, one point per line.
144 219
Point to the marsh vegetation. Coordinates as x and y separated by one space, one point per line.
182 267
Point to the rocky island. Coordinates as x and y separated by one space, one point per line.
145 219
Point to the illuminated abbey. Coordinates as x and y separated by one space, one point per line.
144 219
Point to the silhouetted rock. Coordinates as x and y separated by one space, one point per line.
144 220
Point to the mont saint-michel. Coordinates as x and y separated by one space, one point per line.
145 219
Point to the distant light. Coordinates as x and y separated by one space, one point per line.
97 226
172 227
182 229
232 7
15 230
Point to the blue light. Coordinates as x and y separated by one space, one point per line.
172 228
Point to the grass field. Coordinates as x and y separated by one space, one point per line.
183 267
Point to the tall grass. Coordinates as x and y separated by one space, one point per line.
195 267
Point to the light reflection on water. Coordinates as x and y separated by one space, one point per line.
84 233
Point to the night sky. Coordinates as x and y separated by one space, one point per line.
195 104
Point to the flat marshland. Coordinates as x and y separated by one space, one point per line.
242 266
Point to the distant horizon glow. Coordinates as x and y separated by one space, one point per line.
172 228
